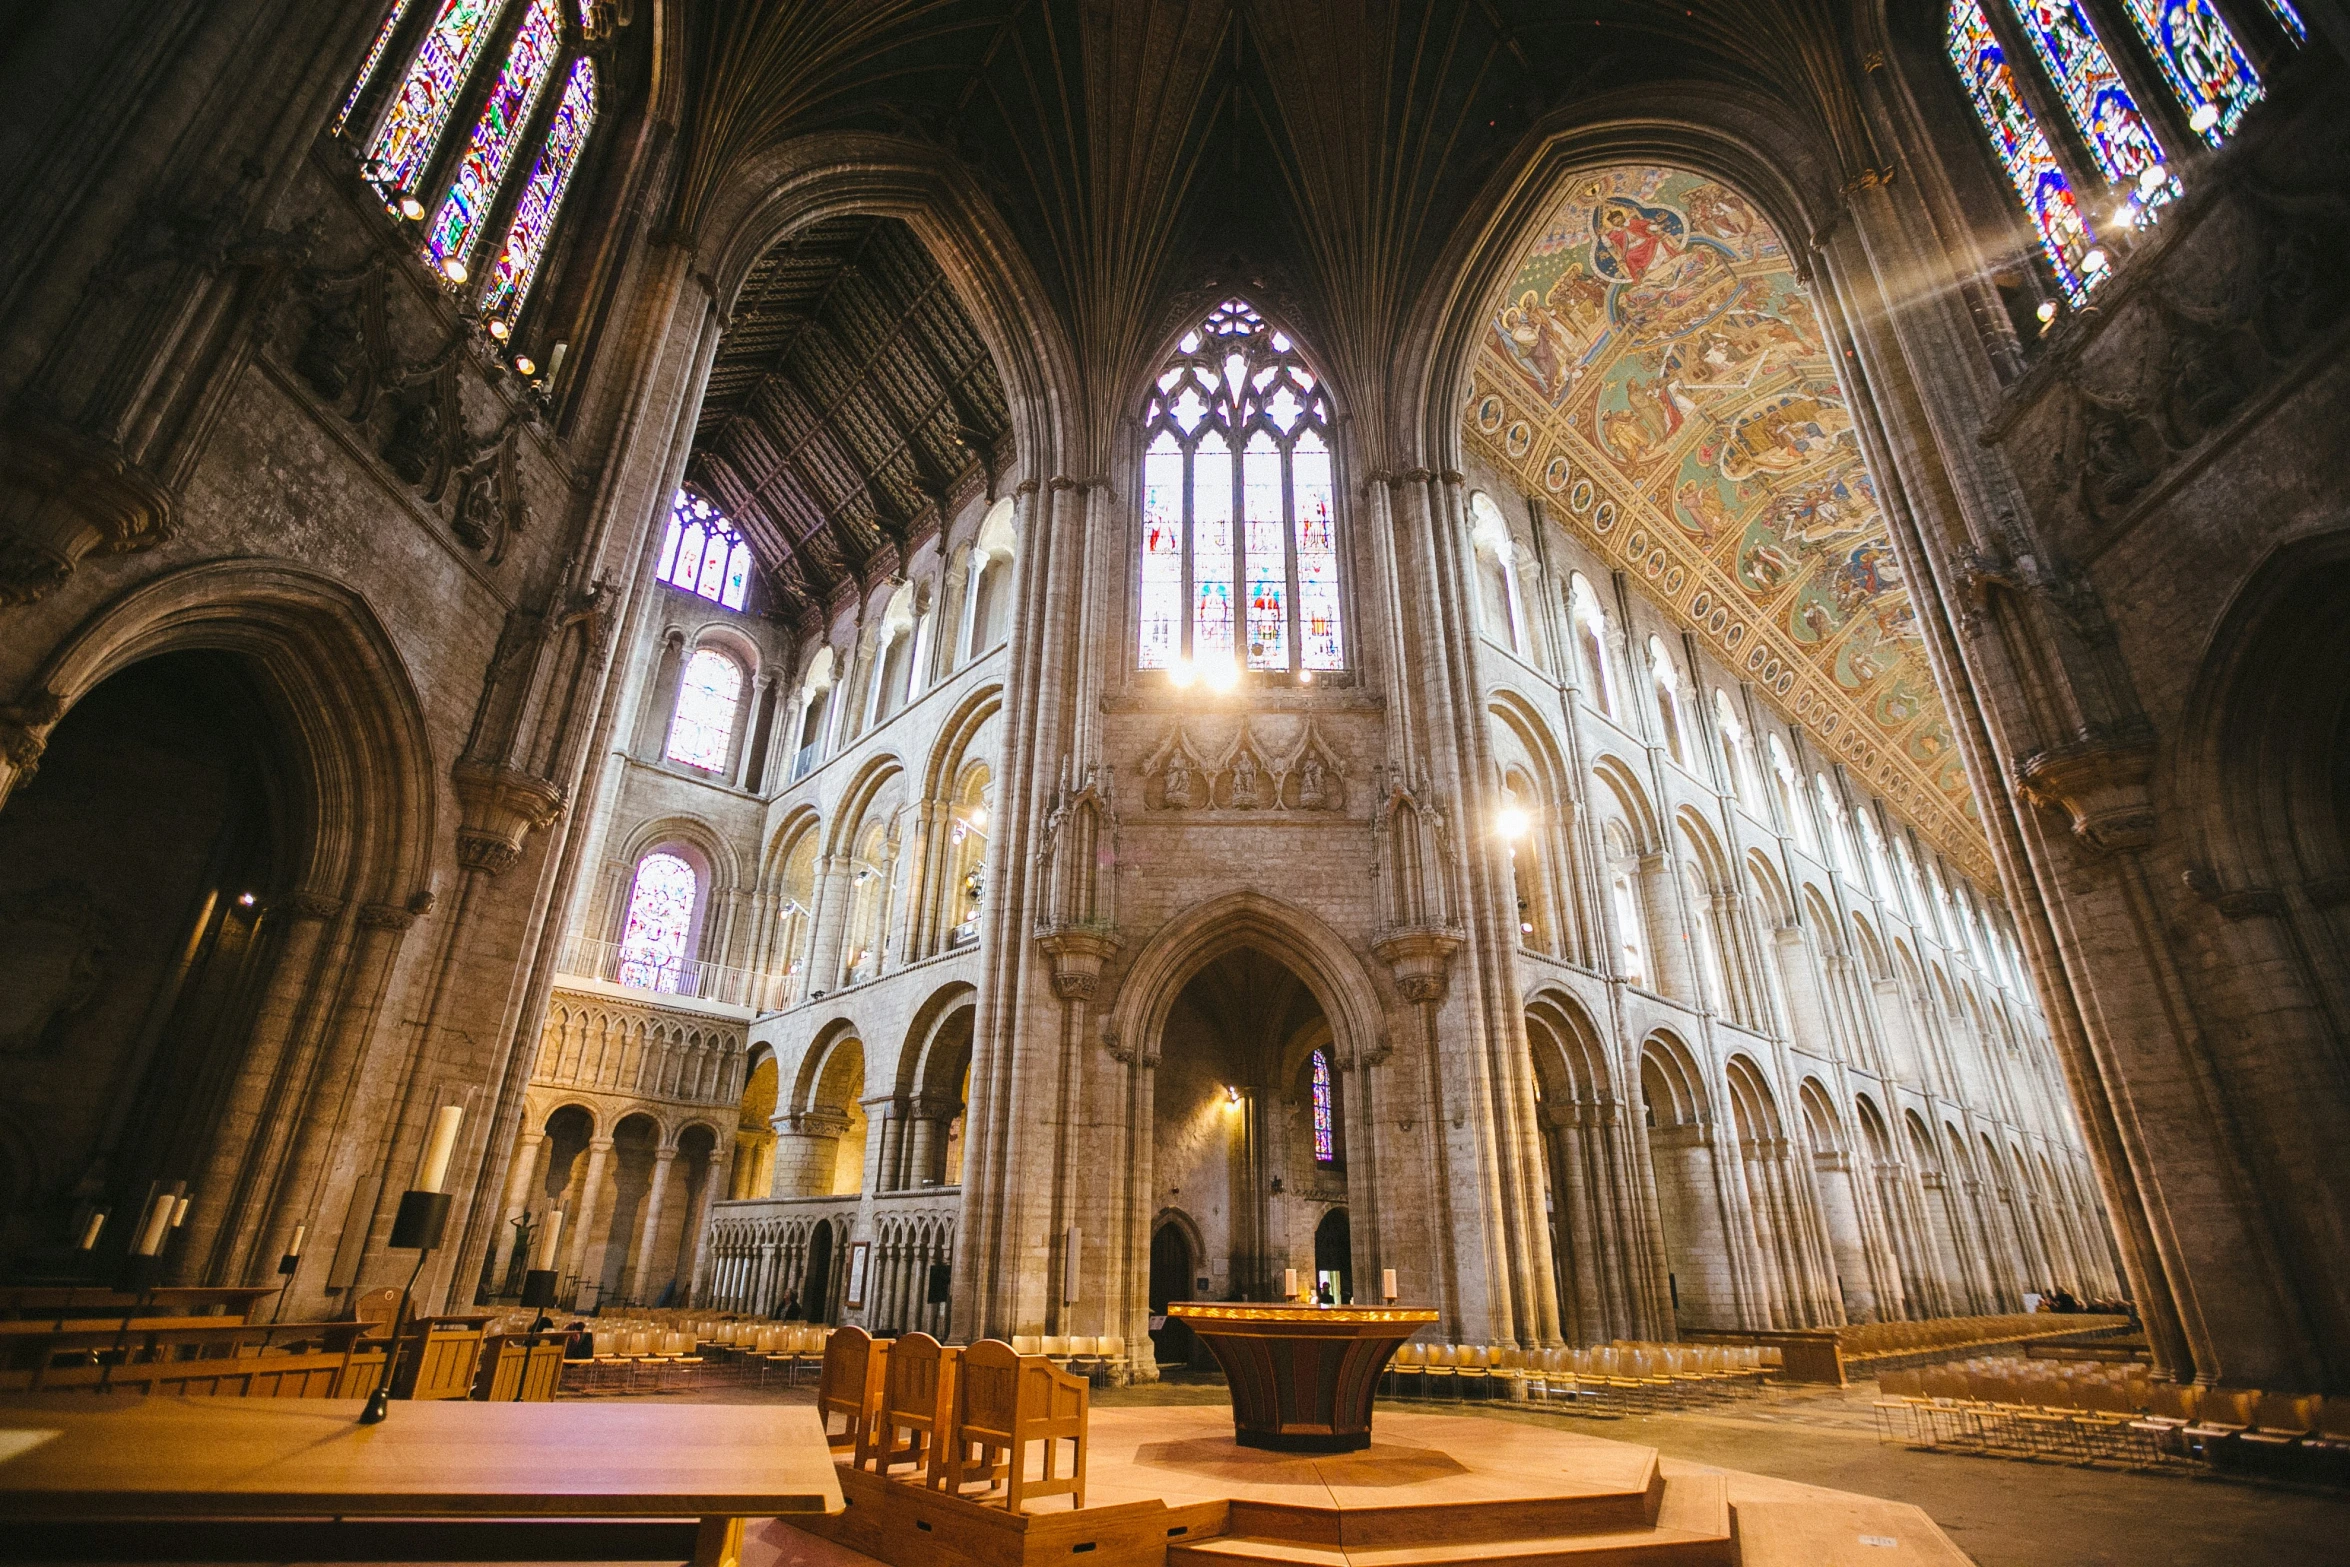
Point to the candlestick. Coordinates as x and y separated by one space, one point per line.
294 1246
554 1228
179 1212
1289 1283
434 1172
1387 1284
90 1230
157 1221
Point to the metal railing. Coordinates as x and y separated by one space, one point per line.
609 962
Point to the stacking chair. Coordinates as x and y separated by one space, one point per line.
1409 1358
1113 1356
2281 1422
1027 1344
2327 1454
1002 1402
2225 1413
1084 1356
1472 1375
851 1388
1056 1349
1439 1372
916 1380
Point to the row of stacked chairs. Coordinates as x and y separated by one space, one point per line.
2092 1412
635 1359
1891 1340
1615 1379
1100 1360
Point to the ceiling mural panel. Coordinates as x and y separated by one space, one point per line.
1656 373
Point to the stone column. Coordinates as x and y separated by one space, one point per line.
715 1171
633 1283
807 1151
583 1236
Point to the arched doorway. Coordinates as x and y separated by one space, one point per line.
1171 1280
1334 1253
816 1279
1235 1136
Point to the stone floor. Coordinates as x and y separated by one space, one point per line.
2002 1512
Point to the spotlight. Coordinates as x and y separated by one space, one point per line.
499 329
526 364
1231 1094
979 816
1513 822
245 900
412 209
2150 178
2094 261
1305 677
2203 119
2047 311
453 269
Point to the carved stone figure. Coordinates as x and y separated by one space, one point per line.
415 443
331 353
1309 784
1244 782
1177 782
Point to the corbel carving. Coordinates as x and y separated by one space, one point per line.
2101 783
68 497
1078 955
502 806
1420 959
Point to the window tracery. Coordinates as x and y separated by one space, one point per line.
1239 557
2023 150
2100 104
1325 1112
703 553
702 733
660 923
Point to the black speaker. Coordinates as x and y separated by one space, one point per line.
940 1274
420 1221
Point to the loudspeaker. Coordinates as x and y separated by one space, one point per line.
936 1295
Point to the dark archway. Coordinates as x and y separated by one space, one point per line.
1171 1280
137 871
816 1281
1334 1253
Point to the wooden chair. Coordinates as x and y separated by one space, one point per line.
916 1384
1004 1401
851 1388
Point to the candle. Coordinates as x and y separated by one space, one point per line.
547 1239
294 1246
158 1220
90 1231
1289 1283
179 1212
1387 1283
435 1171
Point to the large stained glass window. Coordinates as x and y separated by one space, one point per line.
2200 61
542 195
2023 151
2100 104
1239 558
375 55
1325 1112
703 731
412 127
703 553
449 240
2289 19
660 923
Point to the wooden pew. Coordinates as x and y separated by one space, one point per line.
217 1356
855 1365
523 1368
33 1302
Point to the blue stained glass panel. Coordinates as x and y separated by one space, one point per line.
450 239
2093 91
420 111
542 194
660 922
2200 61
706 698
2290 19
2022 148
1325 1116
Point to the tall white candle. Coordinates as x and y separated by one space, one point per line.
294 1246
179 1212
158 1220
1289 1283
1387 1283
435 1171
90 1231
547 1239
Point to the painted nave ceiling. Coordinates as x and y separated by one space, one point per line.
1667 394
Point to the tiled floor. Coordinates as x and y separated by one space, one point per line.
2003 1513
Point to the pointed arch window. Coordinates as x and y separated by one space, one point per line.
1325 1112
704 553
2200 62
1239 557
702 733
542 100
2040 184
1668 697
2101 106
660 923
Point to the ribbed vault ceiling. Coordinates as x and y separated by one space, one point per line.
851 400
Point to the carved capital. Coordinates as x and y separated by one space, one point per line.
64 497
308 905
2101 784
385 916
1420 959
1078 956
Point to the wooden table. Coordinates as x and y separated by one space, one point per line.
1302 1377
193 1480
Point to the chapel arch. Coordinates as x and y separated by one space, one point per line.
1700 1281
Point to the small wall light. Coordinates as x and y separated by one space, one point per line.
1513 822
245 900
1231 1094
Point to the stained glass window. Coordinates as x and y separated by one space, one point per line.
412 127
2200 61
703 553
2290 19
1325 1113
449 241
542 195
2023 151
375 56
2101 105
703 729
660 922
1248 532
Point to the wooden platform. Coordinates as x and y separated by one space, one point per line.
1169 1488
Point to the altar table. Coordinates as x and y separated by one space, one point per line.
134 1479
1302 1377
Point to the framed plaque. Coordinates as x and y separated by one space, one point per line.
860 1253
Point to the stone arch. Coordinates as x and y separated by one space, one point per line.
1754 1108
1671 1085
